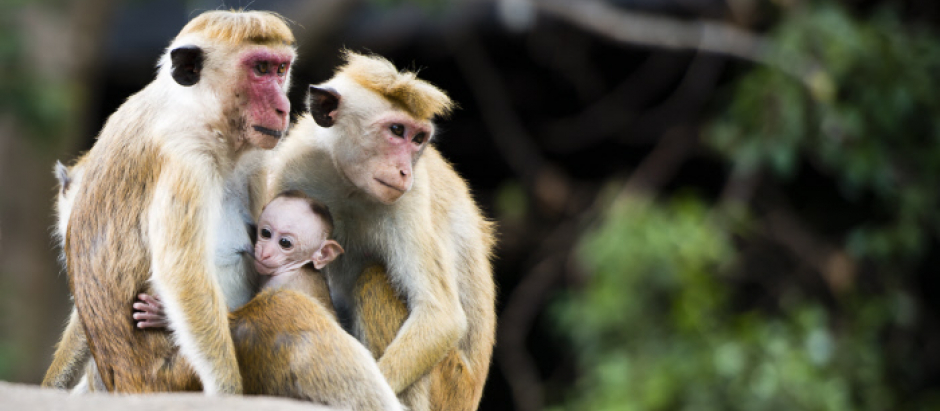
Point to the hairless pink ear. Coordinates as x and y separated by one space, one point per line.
327 252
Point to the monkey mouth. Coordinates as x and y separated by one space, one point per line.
268 131
399 189
263 268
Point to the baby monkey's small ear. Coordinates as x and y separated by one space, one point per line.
327 252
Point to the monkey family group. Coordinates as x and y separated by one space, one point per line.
343 263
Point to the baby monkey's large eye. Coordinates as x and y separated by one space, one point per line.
397 129
282 68
419 139
265 233
285 243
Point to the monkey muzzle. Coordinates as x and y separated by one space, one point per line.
268 131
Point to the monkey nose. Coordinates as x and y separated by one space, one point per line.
281 106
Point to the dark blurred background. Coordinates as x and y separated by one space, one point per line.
702 204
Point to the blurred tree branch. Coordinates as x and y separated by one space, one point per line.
835 266
546 181
658 31
619 108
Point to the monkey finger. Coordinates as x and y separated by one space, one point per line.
150 299
148 316
152 324
147 308
142 307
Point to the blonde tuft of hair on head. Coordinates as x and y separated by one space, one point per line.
240 26
419 98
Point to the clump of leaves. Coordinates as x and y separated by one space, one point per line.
657 327
865 112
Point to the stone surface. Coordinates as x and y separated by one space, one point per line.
30 397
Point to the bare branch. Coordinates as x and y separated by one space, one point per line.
548 182
645 29
662 164
522 308
835 266
658 31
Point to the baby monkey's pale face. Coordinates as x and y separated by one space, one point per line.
291 235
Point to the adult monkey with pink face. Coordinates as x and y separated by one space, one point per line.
427 312
165 197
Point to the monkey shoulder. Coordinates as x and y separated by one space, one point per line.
301 161
449 196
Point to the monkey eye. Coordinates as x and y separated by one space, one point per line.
262 67
265 233
282 68
420 137
397 129
285 243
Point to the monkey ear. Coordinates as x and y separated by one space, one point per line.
327 252
62 174
322 104
187 64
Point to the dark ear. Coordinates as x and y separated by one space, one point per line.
322 104
187 64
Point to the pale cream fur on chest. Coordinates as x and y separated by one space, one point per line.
236 275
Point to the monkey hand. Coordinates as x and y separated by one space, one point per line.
149 312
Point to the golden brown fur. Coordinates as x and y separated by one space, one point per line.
289 344
381 315
259 27
165 172
433 240
417 97
287 340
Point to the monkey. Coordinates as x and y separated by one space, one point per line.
293 245
416 278
69 178
166 196
353 381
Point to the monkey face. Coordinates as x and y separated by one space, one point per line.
386 156
289 234
266 72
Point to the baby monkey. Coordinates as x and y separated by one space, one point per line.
293 246
287 339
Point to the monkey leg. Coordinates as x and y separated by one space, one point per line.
379 311
288 344
91 381
452 386
70 357
380 314
131 360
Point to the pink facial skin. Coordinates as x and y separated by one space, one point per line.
268 113
403 141
290 236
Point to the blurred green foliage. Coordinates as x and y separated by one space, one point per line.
40 104
868 116
657 326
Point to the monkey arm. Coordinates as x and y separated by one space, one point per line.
184 211
435 323
71 354
258 194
